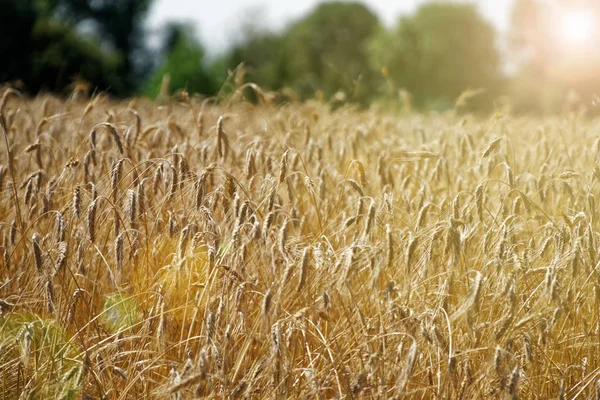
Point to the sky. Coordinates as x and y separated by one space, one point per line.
216 20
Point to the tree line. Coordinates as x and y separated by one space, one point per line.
434 59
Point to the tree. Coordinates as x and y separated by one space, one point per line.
324 51
184 64
327 51
263 55
438 53
118 24
49 54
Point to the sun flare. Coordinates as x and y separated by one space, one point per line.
578 26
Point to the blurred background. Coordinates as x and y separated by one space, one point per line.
531 56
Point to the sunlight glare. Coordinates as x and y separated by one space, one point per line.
578 26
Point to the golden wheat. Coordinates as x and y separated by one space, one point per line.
235 250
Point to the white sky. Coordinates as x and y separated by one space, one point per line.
216 20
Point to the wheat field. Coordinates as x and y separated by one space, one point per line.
230 250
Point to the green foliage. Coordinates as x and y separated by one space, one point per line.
60 57
37 354
120 312
327 51
339 50
48 52
184 67
264 58
438 53
435 55
119 25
